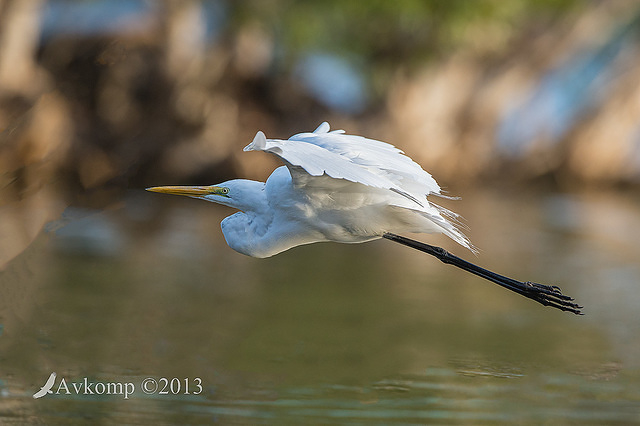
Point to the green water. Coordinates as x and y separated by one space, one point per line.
327 333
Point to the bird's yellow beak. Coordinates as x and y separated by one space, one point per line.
189 191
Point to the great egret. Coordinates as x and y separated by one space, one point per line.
348 189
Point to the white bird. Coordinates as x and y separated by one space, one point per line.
348 189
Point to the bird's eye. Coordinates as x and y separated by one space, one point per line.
224 191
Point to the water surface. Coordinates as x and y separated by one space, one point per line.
326 333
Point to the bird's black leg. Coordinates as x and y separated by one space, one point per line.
544 294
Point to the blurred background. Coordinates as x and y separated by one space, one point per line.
530 111
100 97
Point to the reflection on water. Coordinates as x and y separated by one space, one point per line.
327 333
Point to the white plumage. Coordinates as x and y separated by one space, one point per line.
334 187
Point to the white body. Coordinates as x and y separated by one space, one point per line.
334 187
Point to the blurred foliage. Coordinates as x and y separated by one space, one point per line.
405 30
385 36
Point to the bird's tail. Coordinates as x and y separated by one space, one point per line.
435 220
451 225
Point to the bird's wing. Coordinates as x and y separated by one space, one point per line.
50 381
354 158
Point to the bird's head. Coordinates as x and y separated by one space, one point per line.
238 193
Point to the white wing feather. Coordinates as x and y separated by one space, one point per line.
354 158
361 160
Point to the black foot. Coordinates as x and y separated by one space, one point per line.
548 295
